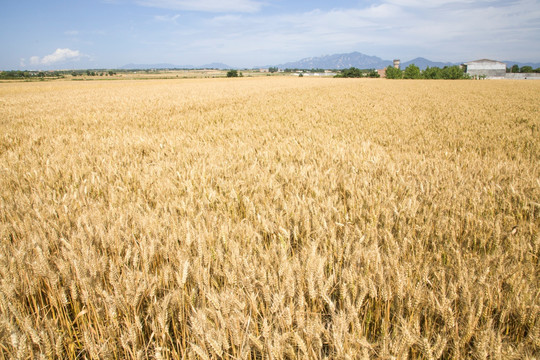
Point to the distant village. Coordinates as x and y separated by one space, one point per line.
477 69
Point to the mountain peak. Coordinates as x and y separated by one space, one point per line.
339 61
423 63
358 60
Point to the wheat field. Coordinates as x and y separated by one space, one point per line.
270 218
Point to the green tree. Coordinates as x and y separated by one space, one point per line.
526 69
432 73
350 73
273 69
515 68
412 72
393 73
453 72
232 73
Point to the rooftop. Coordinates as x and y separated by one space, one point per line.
484 61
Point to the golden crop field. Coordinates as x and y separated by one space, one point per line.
270 218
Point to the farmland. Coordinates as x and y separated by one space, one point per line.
270 218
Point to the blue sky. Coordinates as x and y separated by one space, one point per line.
73 34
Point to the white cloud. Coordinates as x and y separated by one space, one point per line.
166 18
35 60
246 6
422 4
72 32
450 30
59 56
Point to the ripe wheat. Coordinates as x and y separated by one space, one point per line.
270 218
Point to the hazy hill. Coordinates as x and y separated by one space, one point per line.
520 64
172 66
154 66
216 65
423 63
362 61
358 60
338 61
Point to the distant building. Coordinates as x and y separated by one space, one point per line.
330 74
382 72
397 63
485 67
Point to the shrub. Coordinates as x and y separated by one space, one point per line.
350 73
432 73
393 73
412 72
453 73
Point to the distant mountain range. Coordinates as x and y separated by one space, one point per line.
520 64
362 61
338 61
220 66
423 63
335 61
358 60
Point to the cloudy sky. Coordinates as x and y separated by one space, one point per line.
72 34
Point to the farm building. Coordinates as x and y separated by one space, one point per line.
485 67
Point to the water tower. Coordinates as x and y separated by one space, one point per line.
396 63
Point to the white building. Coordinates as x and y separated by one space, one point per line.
486 67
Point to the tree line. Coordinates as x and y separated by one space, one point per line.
27 74
18 74
524 69
413 72
234 73
448 72
358 73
